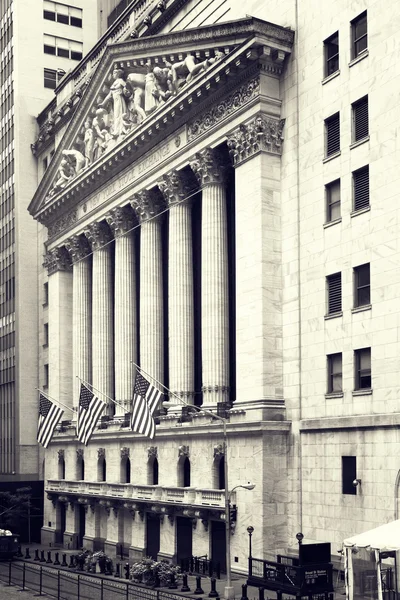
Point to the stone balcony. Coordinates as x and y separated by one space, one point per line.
132 494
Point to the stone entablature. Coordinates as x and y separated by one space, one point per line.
72 170
260 134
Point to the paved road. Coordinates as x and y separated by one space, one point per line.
15 593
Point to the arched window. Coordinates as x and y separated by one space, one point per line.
221 474
80 468
61 468
186 472
152 471
155 471
101 469
125 473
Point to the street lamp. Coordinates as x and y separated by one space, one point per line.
250 530
229 592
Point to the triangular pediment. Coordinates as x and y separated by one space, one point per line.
137 92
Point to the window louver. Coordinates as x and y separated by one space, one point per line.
361 188
334 293
361 119
332 135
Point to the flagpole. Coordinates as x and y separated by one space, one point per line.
54 400
99 392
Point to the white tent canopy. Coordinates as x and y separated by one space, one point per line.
384 537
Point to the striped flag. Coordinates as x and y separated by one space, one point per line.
49 415
89 411
145 401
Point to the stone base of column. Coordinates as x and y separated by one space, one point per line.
110 548
48 536
70 540
89 542
136 553
267 409
166 556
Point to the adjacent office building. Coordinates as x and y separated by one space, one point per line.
221 210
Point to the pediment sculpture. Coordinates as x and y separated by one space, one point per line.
129 100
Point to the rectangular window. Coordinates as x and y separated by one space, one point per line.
334 289
45 376
50 79
62 13
45 163
362 285
362 367
331 50
360 119
63 47
332 134
45 294
334 373
49 15
75 16
332 191
349 474
359 34
46 334
361 188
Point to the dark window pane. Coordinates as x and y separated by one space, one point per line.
49 15
334 373
62 19
63 52
359 34
76 55
331 54
334 293
360 118
363 369
361 188
349 474
49 50
75 22
332 126
333 200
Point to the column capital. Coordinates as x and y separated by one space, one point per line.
208 167
98 234
175 187
78 247
57 259
261 134
120 220
147 204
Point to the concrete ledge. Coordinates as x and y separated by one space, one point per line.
354 422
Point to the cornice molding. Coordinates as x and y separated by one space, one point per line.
261 134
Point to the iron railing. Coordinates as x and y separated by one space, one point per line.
290 578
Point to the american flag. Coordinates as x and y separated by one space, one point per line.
89 411
145 401
49 415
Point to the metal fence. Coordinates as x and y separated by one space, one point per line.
66 585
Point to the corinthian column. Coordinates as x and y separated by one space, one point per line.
99 235
121 221
79 251
180 285
147 205
214 278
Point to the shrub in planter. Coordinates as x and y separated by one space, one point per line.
150 572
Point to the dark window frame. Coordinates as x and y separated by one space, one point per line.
333 371
331 60
362 377
360 119
362 291
50 79
332 205
334 293
349 474
357 40
360 181
332 135
49 15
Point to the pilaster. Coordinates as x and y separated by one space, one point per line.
121 221
99 237
210 173
58 263
176 189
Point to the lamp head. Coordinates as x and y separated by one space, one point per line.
356 482
250 529
249 486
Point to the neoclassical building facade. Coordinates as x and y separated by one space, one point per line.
160 215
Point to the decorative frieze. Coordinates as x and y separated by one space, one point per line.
261 134
183 451
147 204
121 220
57 259
62 223
78 247
208 167
152 451
175 187
98 234
125 452
224 108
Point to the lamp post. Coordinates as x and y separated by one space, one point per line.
250 530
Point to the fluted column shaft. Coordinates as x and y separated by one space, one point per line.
125 332
151 318
214 279
102 312
81 313
180 285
